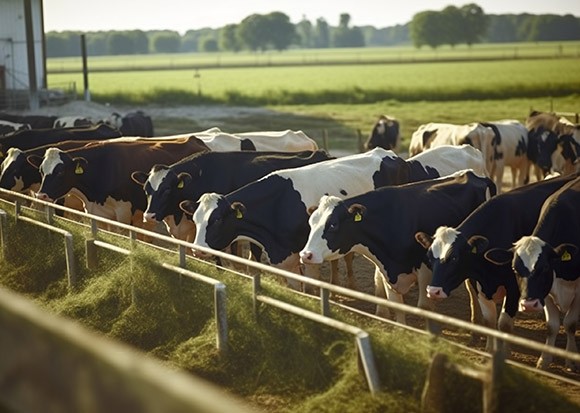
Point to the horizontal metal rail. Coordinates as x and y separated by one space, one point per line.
407 309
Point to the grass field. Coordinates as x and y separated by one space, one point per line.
342 99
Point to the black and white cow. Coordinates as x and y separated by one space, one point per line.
548 264
73 122
272 212
458 253
430 135
34 121
222 172
510 149
381 225
100 174
554 143
28 139
386 134
273 141
8 128
132 124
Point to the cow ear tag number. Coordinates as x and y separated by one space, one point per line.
566 256
357 217
79 170
239 214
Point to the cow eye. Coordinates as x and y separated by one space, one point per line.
332 226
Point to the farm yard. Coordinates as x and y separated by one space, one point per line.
311 368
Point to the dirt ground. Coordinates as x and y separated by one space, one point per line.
531 326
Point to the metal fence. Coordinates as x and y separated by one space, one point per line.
488 374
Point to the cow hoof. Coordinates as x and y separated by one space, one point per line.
542 364
571 367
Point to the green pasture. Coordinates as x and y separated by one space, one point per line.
322 56
277 362
337 84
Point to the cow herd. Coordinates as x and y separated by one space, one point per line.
437 218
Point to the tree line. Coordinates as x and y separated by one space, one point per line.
274 31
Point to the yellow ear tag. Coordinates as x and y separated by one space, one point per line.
566 256
474 250
357 217
180 185
239 214
79 170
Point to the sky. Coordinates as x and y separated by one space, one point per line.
183 15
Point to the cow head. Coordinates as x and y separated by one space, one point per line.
565 155
215 218
450 256
60 173
330 225
536 263
385 134
10 170
164 189
542 143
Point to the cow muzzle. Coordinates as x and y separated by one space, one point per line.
43 197
308 257
149 217
531 306
435 293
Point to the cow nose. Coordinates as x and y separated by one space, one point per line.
200 254
306 256
42 196
149 217
435 293
531 305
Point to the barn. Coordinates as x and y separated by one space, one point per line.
22 54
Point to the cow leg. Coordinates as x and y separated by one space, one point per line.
395 297
552 328
424 276
570 321
334 277
311 271
489 313
476 313
380 292
350 281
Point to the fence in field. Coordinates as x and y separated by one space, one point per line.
107 368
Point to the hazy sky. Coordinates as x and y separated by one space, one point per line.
182 15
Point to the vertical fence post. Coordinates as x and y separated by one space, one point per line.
3 222
324 302
361 145
325 140
70 260
491 385
367 362
91 254
255 291
434 389
221 318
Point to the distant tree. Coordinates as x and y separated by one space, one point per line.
97 44
120 43
345 36
427 28
281 31
228 38
473 24
453 26
549 27
321 34
305 33
189 41
140 41
253 32
166 42
208 44
501 29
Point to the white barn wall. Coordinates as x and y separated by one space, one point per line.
13 52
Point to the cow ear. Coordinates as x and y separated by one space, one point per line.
424 239
499 256
239 209
188 206
478 244
565 252
311 209
139 177
34 160
357 211
183 179
80 165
